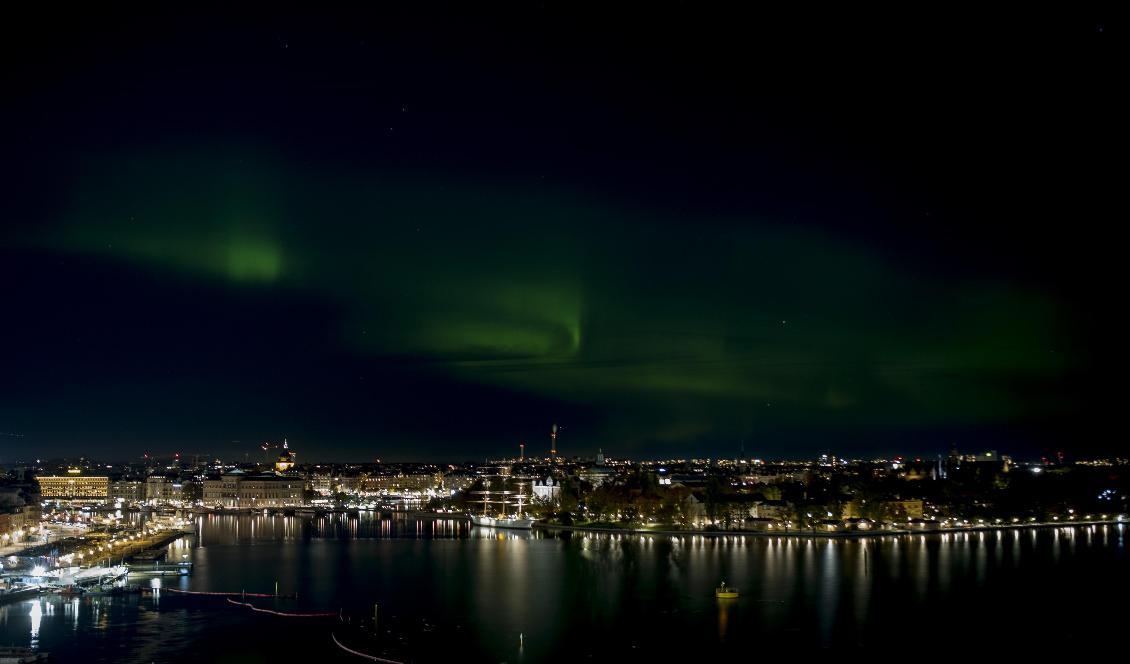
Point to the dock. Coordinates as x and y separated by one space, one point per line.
146 546
155 568
20 594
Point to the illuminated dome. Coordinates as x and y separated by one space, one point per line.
286 460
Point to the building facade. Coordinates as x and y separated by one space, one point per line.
547 491
160 490
236 489
410 483
127 491
15 526
74 486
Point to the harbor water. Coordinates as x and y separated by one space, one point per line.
443 591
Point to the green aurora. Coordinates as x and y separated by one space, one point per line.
553 292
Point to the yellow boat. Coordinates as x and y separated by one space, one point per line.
725 592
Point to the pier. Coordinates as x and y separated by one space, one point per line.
156 568
144 546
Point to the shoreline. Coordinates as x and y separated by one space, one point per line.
852 534
549 527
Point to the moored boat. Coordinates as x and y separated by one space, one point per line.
491 522
726 592
509 506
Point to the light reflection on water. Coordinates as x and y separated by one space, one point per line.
447 590
36 620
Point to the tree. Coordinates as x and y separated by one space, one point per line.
712 497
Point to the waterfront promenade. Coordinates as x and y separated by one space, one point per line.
842 534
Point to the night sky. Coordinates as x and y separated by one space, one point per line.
671 230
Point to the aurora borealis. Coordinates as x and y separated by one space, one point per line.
421 238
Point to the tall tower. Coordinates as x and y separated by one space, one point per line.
521 451
553 443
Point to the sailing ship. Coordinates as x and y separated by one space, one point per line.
504 522
496 512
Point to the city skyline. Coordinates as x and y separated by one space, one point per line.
560 332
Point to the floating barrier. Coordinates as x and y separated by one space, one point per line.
285 614
361 654
238 594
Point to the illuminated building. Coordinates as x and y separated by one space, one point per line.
546 490
237 489
159 490
414 482
286 460
128 491
74 486
774 510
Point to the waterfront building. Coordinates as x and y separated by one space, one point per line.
224 490
546 490
902 509
694 511
774 510
829 525
127 491
323 484
457 481
237 489
160 490
270 491
401 483
327 484
350 484
858 523
74 486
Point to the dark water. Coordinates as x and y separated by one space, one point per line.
447 591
